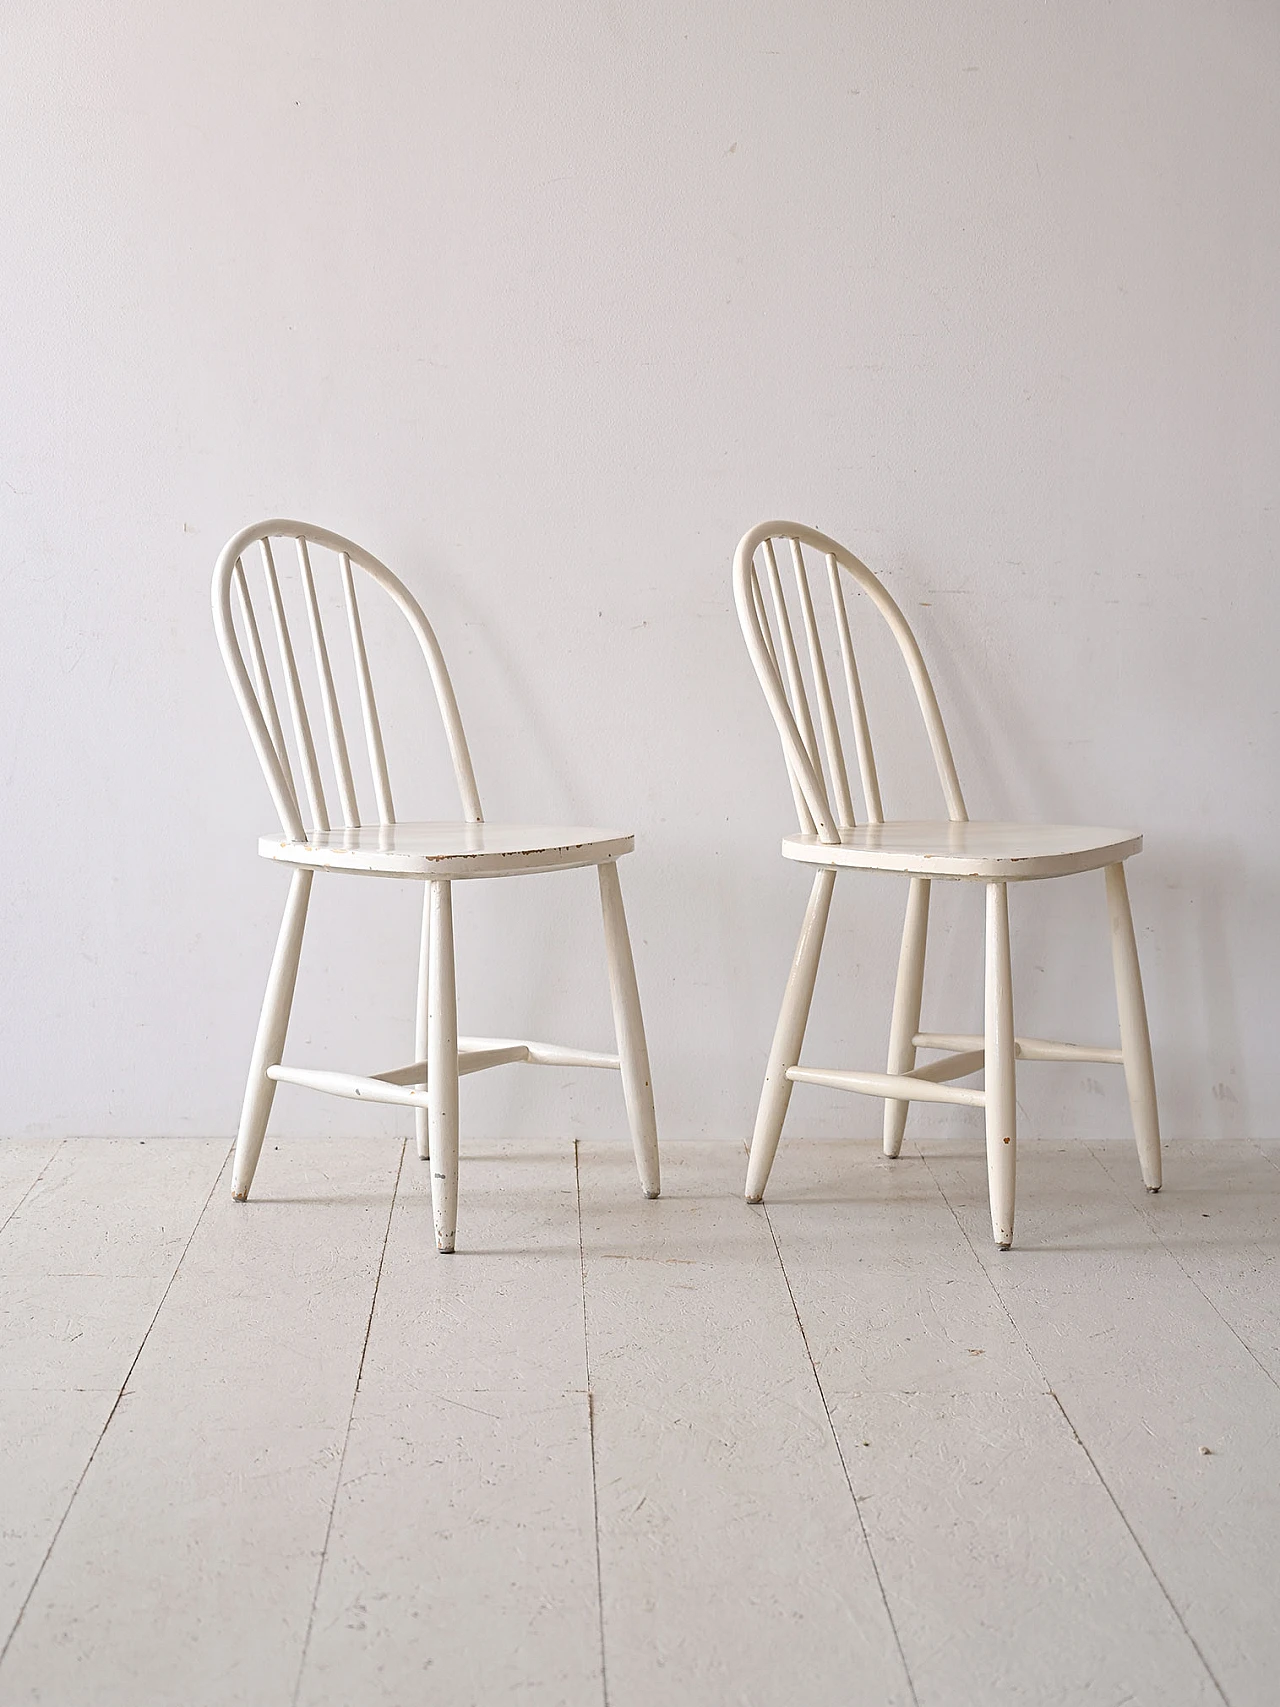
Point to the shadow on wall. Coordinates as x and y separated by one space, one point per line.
1192 979
475 617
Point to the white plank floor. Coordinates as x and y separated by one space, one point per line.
618 1453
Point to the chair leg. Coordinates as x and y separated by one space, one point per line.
268 1045
442 1066
628 1025
1135 1039
1001 1056
906 1008
789 1036
420 1119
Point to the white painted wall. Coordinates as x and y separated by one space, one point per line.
547 304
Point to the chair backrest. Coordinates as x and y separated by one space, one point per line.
239 632
823 797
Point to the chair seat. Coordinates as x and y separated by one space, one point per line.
449 850
1008 852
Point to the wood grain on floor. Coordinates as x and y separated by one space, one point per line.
615 1453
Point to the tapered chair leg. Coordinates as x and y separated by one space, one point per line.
1001 1056
421 1120
268 1047
1135 1039
789 1036
628 1024
442 1066
906 1008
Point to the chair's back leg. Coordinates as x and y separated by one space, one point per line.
442 1066
1001 1058
789 1035
268 1047
906 1008
420 1119
1135 1039
628 1022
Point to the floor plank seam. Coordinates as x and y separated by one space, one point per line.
1075 1433
133 1364
57 1150
1183 1269
1266 1151
346 1437
591 1424
857 1509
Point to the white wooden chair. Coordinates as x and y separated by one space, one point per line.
435 854
995 854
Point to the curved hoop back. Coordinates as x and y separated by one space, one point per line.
771 641
257 697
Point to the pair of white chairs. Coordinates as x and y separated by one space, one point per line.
434 854
438 854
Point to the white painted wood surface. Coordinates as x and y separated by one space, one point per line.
22 1162
273 1028
463 1545
1148 1373
186 1566
1235 1260
462 1555
1135 1039
999 1594
442 1068
93 1235
545 1468
911 1087
784 1053
907 994
449 849
633 1052
1025 1048
236 620
85 1263
1011 1575
996 853
788 696
375 844
732 1558
1001 1101
1012 852
421 1131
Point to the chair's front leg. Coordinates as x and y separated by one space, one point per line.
628 1022
906 1008
789 1035
420 1118
442 1066
1135 1039
1001 1056
273 1023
